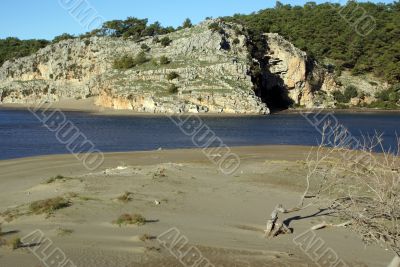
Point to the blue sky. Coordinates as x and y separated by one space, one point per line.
45 19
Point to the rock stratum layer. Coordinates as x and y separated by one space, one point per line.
213 72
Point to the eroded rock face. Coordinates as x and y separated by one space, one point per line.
213 73
301 78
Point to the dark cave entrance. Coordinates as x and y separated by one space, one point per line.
276 98
268 82
273 93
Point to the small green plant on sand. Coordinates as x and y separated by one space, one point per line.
54 179
146 237
49 206
64 231
129 219
125 197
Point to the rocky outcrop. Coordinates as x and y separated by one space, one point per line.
212 69
301 79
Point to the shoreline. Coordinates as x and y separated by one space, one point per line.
343 111
99 111
88 106
235 149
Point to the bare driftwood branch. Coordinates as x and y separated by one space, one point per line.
350 180
325 225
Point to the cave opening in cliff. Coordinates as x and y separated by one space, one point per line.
276 98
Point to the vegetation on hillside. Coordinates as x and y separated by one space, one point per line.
387 99
14 48
129 28
127 62
349 93
62 37
323 32
164 60
172 76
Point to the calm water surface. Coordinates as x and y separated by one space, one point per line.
22 135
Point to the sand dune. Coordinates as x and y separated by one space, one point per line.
223 216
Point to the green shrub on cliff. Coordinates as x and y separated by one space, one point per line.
124 63
141 58
127 62
165 41
172 75
236 41
164 60
173 89
350 92
392 94
339 97
62 37
145 47
387 99
215 27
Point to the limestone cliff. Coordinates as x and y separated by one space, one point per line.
212 68
302 80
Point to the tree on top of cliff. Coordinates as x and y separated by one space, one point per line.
14 48
62 37
132 27
187 23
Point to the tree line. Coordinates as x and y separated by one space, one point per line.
14 48
131 27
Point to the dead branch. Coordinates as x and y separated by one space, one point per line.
325 225
359 186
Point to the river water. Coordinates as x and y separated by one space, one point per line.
23 135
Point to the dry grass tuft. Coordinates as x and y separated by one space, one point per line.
153 248
55 179
146 237
49 206
160 173
127 219
126 197
64 231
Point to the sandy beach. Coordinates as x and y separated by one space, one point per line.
222 216
88 105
